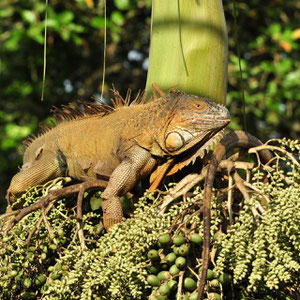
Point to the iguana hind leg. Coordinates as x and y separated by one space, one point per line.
137 164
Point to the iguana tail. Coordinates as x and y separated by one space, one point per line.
232 140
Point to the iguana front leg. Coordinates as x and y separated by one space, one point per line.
137 164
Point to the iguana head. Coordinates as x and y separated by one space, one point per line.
191 121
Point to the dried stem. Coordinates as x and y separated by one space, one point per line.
79 218
179 289
52 196
50 232
38 224
274 149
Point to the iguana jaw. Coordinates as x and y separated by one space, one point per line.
198 150
200 135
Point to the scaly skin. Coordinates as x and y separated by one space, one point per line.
124 144
232 140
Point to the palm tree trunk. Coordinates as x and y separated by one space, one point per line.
189 47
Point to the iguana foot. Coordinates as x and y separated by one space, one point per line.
112 212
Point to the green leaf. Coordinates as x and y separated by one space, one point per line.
285 65
268 66
122 4
28 16
272 88
275 29
287 35
76 39
12 43
75 27
95 203
98 22
7 12
19 88
52 23
8 143
15 131
117 18
39 6
292 79
35 33
65 17
65 34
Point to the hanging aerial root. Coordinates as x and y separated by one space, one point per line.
38 223
79 217
235 139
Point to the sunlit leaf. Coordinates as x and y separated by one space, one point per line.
6 12
98 22
275 29
52 23
29 16
13 42
296 34
76 27
117 18
35 33
15 131
122 4
65 17
65 33
268 66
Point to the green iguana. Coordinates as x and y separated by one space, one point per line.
123 144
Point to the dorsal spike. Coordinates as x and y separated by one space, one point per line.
137 99
127 98
52 124
91 108
155 89
118 100
70 112
140 98
143 97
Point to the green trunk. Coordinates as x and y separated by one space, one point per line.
189 47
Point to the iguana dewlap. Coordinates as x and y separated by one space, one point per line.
123 143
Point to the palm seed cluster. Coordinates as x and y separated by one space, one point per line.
157 254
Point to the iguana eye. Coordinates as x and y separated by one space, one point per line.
200 105
39 152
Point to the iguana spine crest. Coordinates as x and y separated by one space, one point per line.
85 110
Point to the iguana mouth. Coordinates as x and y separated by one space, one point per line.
213 135
208 142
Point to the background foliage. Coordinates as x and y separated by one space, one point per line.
268 38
